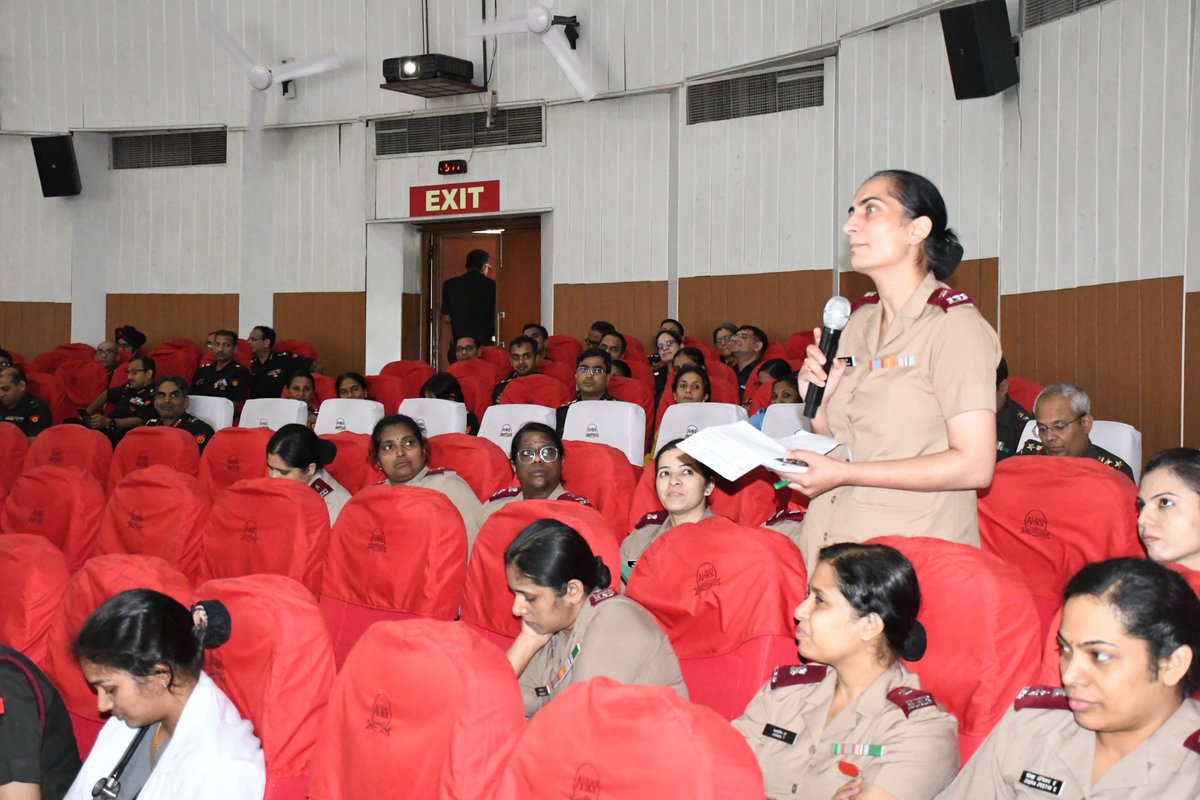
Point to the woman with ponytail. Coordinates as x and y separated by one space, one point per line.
853 721
172 734
574 626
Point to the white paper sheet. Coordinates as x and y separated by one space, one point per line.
733 450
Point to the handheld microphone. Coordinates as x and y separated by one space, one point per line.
835 317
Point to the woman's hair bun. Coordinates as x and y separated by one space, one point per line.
915 642
212 623
328 451
943 254
603 574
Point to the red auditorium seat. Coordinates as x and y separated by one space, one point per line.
980 652
486 601
720 374
479 462
797 344
352 467
476 396
711 354
389 390
174 361
277 668
600 473
72 446
563 373
761 397
620 742
413 373
642 373
724 593
1048 516
80 382
120 375
297 347
323 387
51 360
156 511
100 579
632 390
450 738
478 370
750 500
14 446
635 350
497 357
267 525
234 454
144 447
33 578
540 390
1024 391
395 552
721 393
42 386
63 504
562 348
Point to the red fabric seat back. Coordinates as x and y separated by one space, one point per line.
413 373
267 525
72 446
479 370
537 389
479 462
1049 515
80 382
711 353
389 390
14 447
120 375
775 350
477 396
640 369
156 511
761 398
750 500
619 742
563 373
497 357
486 601
635 350
450 739
980 652
144 447
395 550
352 467
602 474
797 344
33 578
1024 391
64 504
234 454
42 386
633 390
721 374
173 361
562 348
52 359
298 347
323 387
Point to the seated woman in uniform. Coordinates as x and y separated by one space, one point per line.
691 385
142 652
302 387
444 386
853 722
399 448
537 456
351 386
688 356
573 626
1124 724
1169 511
785 389
296 453
683 485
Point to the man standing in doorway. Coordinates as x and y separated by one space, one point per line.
469 301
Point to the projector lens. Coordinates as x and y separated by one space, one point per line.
409 67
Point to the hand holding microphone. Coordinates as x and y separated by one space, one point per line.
834 319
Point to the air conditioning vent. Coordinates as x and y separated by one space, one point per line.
510 126
750 95
1039 12
140 151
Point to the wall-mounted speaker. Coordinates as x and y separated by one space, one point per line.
980 49
57 169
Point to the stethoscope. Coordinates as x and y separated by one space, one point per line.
108 788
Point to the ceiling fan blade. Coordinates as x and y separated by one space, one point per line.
496 27
239 55
304 67
568 61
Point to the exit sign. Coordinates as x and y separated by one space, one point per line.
453 198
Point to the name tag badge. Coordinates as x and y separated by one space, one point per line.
541 691
779 734
1043 783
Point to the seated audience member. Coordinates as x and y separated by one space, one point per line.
666 345
1169 510
537 456
852 721
129 340
688 356
1011 418
296 453
351 386
573 625
132 404
675 325
523 358
1064 420
539 335
1124 722
142 653
691 385
170 410
592 368
466 347
619 367
6 358
38 756
223 377
747 348
106 356
683 486
444 386
722 337
772 369
783 390
596 333
614 343
27 412
399 449
269 370
302 387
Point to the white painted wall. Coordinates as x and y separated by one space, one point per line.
35 231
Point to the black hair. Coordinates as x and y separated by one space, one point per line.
1001 372
877 579
147 362
16 373
619 367
791 379
690 370
677 323
941 251
7 356
603 327
1182 462
535 427
758 334
695 353
552 554
443 386
523 339
545 333
775 367
302 373
354 376
620 336
596 352
724 326
396 419
298 446
233 337
476 259
268 334
474 339
1153 603
699 466
175 379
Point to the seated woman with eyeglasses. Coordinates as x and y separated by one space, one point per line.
666 345
537 456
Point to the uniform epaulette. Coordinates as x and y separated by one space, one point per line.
1032 447
1042 697
910 699
153 421
1193 742
511 491
868 299
321 487
436 470
797 674
946 299
653 518
604 594
201 438
575 498
786 515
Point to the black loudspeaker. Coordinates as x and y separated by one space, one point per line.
56 165
980 49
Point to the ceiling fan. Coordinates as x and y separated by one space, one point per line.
557 33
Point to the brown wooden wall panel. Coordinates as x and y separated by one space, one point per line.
413 337
32 328
780 303
978 277
335 323
172 316
1191 376
635 307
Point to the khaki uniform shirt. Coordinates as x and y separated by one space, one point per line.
514 494
333 493
460 493
786 728
790 523
1034 751
648 529
935 361
612 636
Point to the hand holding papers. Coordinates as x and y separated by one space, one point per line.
733 450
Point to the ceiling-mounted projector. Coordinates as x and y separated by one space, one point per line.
429 75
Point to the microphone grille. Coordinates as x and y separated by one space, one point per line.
837 313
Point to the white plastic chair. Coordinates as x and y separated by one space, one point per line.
500 423
436 416
216 411
683 419
1122 440
273 413
612 422
785 419
344 414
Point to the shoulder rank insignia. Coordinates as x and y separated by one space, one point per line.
436 470
1032 447
653 518
1042 697
946 299
1193 742
868 299
575 498
797 674
604 594
786 515
909 699
511 491
321 487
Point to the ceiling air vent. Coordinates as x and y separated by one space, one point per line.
1039 12
510 126
750 95
139 151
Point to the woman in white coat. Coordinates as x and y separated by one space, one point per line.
172 734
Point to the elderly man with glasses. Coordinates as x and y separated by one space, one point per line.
1064 421
592 369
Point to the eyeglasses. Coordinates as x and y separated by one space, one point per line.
726 339
465 348
584 369
1057 427
666 345
547 454
740 335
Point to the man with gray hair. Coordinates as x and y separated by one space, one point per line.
1063 412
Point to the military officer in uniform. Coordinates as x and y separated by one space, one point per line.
296 453
592 370
269 371
224 377
537 457
132 404
1064 422
170 410
17 406
523 357
1011 418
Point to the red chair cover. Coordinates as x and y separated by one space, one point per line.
540 390
725 594
267 525
635 350
33 578
14 447
1049 515
395 552
750 500
173 361
413 373
51 360
481 372
706 347
562 348
642 374
479 462
297 347
476 396
632 390
42 386
72 446
775 350
156 511
797 344
144 447
63 504
182 345
234 454
277 668
389 390
323 387
448 739
618 742
600 473
761 398
353 467
497 357
980 652
1024 391
561 372
486 601
120 375
80 382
